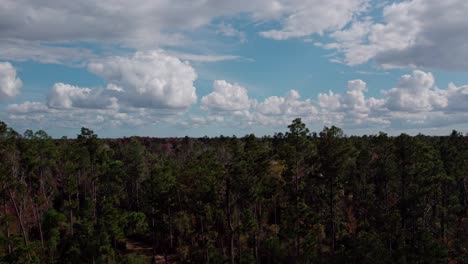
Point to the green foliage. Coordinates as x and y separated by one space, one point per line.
53 222
134 259
297 197
135 224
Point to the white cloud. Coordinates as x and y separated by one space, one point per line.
415 33
145 25
27 107
10 85
414 102
149 80
65 96
457 98
203 57
351 108
276 111
231 105
37 114
289 105
229 31
137 24
21 50
139 20
226 97
354 98
143 20
50 31
145 88
29 27
197 120
329 100
301 18
416 93
348 41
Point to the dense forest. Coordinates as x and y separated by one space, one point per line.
295 197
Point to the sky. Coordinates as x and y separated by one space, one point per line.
168 68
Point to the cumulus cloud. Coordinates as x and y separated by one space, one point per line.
231 104
353 100
276 111
457 98
226 97
416 93
145 88
414 102
329 100
65 96
149 80
288 105
415 33
352 107
39 114
10 85
197 120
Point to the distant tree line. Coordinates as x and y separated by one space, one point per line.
297 197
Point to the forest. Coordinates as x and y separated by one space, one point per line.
293 197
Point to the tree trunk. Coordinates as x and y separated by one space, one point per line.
137 190
205 242
257 218
229 220
296 220
276 212
43 188
442 214
94 200
153 235
332 216
171 238
7 226
464 191
239 251
38 223
71 214
78 176
403 214
20 219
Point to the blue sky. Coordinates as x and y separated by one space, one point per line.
175 68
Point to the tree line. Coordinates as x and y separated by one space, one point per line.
295 197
